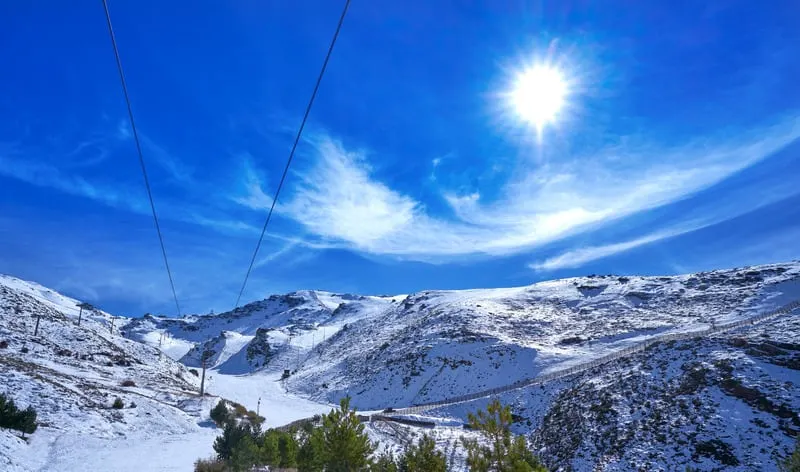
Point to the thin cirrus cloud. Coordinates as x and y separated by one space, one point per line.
578 257
254 196
112 195
45 175
338 201
30 164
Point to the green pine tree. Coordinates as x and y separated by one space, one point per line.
8 412
791 463
27 421
244 455
310 456
504 453
287 447
345 446
270 453
423 457
231 436
384 462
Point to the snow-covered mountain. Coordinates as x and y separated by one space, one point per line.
724 401
434 345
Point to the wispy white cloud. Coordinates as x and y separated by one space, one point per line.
124 130
578 257
178 171
153 152
114 195
277 254
226 225
253 196
45 175
339 200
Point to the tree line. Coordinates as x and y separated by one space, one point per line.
339 444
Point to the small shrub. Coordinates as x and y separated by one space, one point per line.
220 414
239 410
118 404
571 340
194 372
128 383
3 344
718 450
24 350
254 418
210 465
132 405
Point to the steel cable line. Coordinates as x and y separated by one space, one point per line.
139 152
294 147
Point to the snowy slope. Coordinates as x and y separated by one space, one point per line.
728 403
437 345
249 348
72 374
399 351
433 345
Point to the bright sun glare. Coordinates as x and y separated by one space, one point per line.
538 94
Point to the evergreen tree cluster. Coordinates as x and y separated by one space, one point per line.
340 444
504 452
12 417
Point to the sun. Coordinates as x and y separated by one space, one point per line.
538 94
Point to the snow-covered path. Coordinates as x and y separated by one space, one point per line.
56 451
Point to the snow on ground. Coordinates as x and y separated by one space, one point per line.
175 348
234 342
72 374
56 451
42 294
277 406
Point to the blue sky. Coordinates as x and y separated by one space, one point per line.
678 150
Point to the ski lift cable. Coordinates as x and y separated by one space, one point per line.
139 152
294 147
